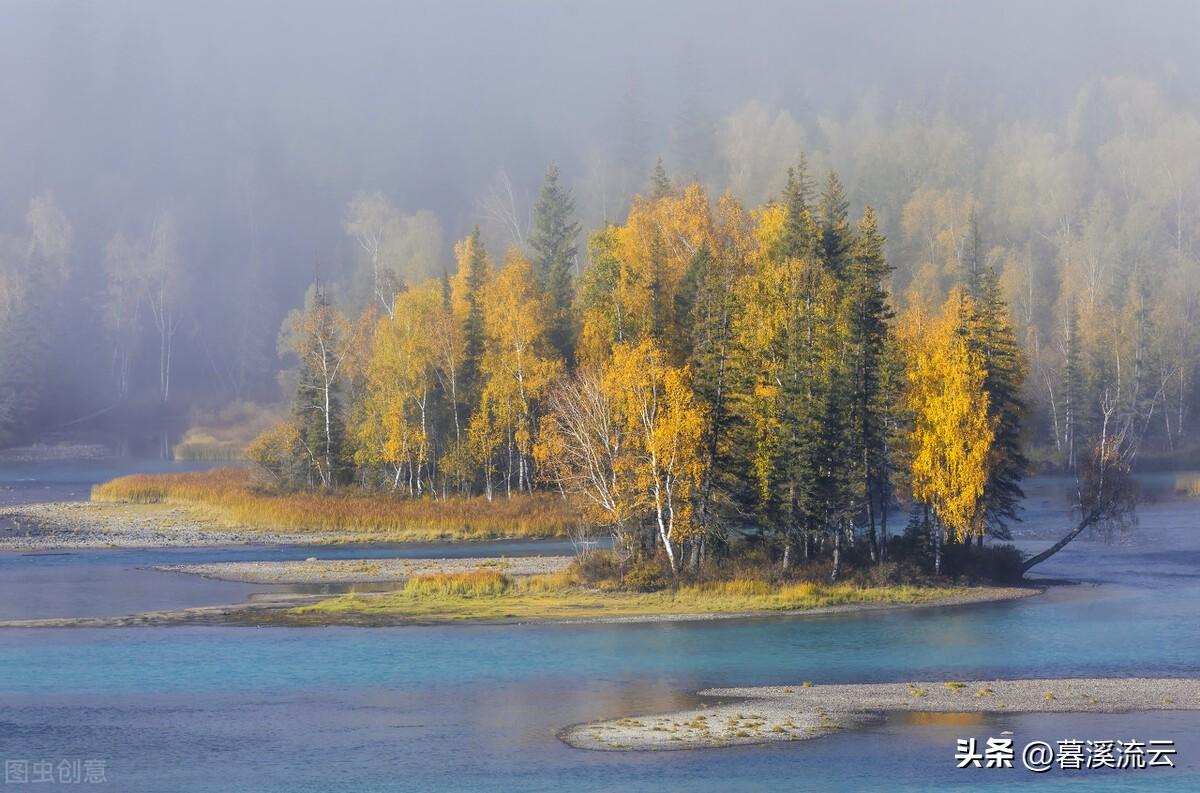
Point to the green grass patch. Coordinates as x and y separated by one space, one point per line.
485 595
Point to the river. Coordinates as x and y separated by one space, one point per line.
476 708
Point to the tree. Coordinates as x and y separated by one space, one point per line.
395 248
474 273
34 268
1105 487
660 183
323 340
833 217
150 271
654 401
164 289
393 422
582 448
706 306
552 243
518 368
951 434
628 440
869 336
991 334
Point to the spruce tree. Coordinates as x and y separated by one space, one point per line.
473 329
553 247
991 333
660 183
797 194
834 219
868 315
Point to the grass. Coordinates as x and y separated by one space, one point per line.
229 496
484 594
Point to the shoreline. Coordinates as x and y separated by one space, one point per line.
83 525
366 571
274 610
774 714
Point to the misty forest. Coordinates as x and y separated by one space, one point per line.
559 396
689 287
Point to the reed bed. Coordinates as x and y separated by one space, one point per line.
230 496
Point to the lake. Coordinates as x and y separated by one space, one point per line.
476 708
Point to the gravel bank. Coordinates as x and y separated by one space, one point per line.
362 571
89 524
777 713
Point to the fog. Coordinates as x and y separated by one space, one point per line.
229 139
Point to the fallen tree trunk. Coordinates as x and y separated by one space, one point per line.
1089 520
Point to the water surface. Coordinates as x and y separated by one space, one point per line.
476 708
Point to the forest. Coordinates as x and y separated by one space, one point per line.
998 278
712 369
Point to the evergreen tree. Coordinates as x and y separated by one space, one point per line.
660 183
971 258
473 327
797 193
834 219
991 333
868 317
553 247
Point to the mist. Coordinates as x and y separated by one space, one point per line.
221 146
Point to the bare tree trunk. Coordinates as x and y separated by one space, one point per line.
1033 561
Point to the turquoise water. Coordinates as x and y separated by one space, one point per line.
463 708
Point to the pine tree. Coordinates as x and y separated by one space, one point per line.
797 193
990 333
660 183
834 219
473 327
970 259
553 249
868 317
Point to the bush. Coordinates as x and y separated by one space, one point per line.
596 566
997 563
645 576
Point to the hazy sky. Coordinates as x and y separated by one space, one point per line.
256 122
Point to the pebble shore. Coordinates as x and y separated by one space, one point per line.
62 525
363 571
804 711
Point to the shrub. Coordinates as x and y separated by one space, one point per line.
596 566
999 563
645 576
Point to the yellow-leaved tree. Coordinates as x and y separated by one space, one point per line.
518 366
391 427
655 402
951 435
627 439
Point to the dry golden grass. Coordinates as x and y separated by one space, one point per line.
229 495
